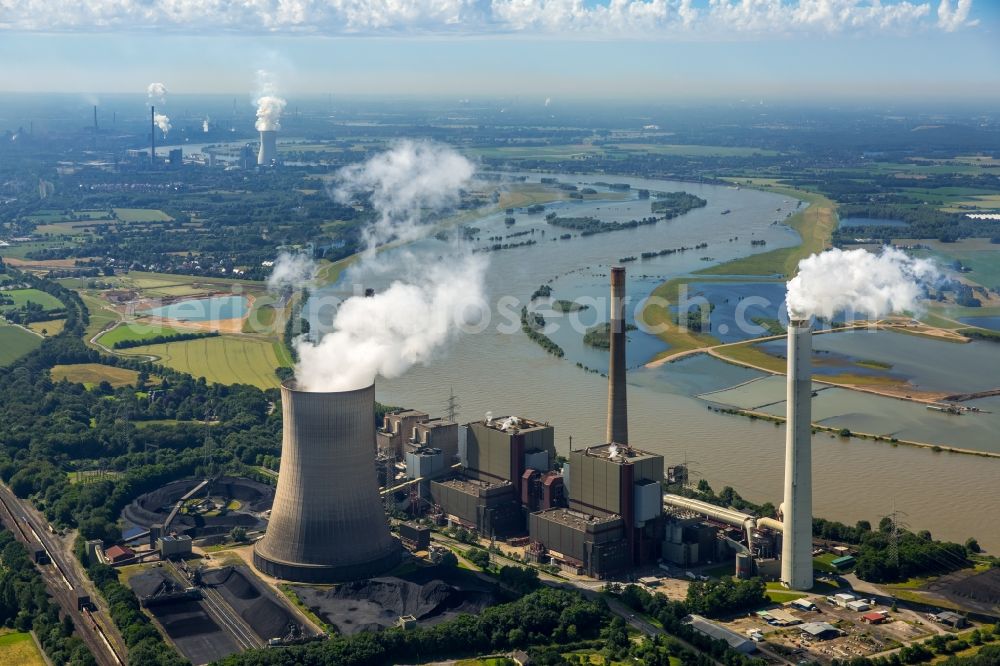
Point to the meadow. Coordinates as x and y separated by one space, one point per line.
15 342
22 296
19 649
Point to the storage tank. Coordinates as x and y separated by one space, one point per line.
744 566
327 523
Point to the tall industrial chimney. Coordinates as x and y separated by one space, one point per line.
617 404
796 545
152 135
327 523
95 119
268 148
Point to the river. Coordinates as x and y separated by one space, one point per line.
506 373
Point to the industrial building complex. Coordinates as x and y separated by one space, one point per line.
600 511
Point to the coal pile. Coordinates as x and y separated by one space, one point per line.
975 591
257 605
154 507
375 604
187 624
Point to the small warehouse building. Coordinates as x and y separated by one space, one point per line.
820 630
874 617
844 562
708 628
415 536
858 605
950 619
174 546
118 554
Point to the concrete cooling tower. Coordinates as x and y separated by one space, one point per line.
796 544
327 524
268 153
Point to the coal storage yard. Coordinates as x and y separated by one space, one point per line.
256 604
431 596
197 636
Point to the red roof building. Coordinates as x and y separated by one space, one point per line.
874 618
117 554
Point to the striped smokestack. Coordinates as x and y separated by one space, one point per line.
617 404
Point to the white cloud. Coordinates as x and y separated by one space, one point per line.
952 19
652 19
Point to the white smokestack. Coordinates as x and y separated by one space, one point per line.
411 320
796 544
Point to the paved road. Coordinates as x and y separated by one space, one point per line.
64 579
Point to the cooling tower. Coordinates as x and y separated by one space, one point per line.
796 545
327 523
268 148
617 404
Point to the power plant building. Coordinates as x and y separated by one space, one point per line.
327 523
490 508
502 449
396 428
592 545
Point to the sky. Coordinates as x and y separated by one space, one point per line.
559 49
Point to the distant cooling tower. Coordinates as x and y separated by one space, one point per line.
327 523
268 147
796 545
617 403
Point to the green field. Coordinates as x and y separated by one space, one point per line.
690 150
20 649
48 328
225 359
978 254
137 331
100 315
141 215
15 342
23 296
92 374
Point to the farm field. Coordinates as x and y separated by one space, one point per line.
23 296
92 374
979 254
225 359
48 328
19 649
689 150
141 215
15 342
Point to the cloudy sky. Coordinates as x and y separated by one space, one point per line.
670 49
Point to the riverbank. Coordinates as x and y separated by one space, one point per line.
815 225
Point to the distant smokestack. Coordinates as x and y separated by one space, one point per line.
268 148
796 545
95 119
152 135
327 524
617 403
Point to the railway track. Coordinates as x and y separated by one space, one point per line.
224 614
60 579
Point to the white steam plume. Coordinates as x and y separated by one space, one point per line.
858 281
204 125
291 270
269 105
410 321
388 333
162 122
548 102
403 182
157 93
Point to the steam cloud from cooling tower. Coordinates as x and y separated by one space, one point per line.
269 105
420 312
412 177
860 281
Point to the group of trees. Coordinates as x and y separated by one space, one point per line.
725 597
26 606
938 646
163 339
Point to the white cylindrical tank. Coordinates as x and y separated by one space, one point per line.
327 523
268 153
796 547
